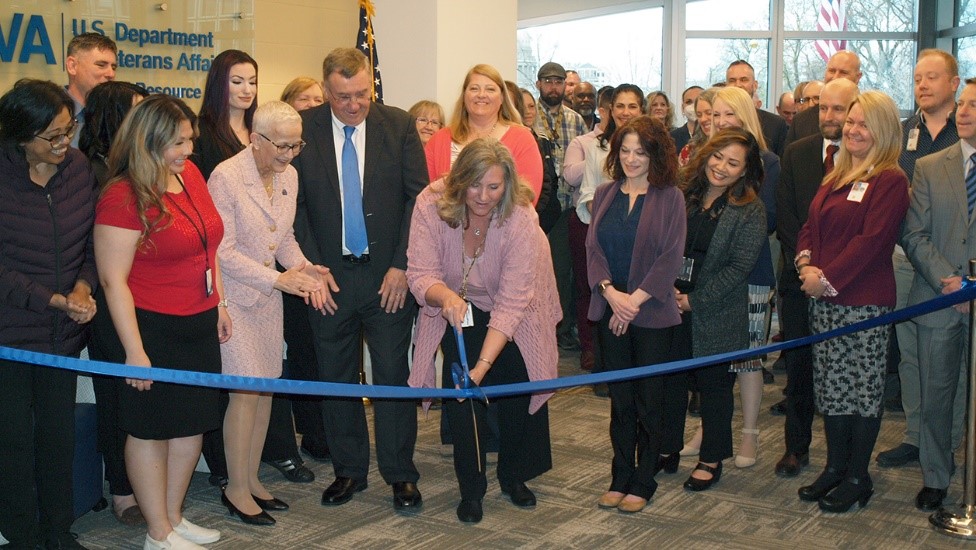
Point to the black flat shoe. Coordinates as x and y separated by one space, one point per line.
520 495
929 499
262 518
846 494
341 490
828 480
469 511
293 470
668 463
406 496
271 505
695 484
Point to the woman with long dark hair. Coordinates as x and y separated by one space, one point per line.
230 97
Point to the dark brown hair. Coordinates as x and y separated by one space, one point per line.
657 144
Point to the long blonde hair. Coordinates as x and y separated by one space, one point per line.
136 154
507 114
744 109
881 116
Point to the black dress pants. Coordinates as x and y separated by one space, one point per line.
795 323
37 439
524 449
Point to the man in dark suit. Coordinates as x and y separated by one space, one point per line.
939 238
741 75
358 178
805 163
843 64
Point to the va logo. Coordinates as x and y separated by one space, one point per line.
34 40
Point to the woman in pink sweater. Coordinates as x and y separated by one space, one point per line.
479 264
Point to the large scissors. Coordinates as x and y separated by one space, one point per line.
462 379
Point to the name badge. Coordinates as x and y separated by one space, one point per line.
912 140
857 191
468 320
208 281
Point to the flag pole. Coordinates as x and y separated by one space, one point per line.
962 522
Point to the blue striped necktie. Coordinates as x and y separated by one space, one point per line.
971 184
352 197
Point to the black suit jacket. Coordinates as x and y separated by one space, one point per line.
395 171
805 124
774 129
800 177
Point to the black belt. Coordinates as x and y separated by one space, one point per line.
364 259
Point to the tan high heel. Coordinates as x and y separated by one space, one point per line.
748 461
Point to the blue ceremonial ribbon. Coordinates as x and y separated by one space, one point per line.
302 387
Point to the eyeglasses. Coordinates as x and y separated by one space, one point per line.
423 121
811 99
285 148
59 138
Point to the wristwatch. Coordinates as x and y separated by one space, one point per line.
603 286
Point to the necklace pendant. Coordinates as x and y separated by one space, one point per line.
477 232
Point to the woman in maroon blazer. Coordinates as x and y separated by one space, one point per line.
634 251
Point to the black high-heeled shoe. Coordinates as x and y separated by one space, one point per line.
668 463
271 504
852 490
251 519
828 480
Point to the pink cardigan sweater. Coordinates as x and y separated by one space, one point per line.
519 141
517 272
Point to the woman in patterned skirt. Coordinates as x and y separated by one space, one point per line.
845 265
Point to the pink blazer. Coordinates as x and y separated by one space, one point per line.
517 271
257 230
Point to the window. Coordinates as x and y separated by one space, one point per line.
722 15
706 60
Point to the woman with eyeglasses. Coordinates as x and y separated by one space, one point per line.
255 192
47 273
429 117
485 109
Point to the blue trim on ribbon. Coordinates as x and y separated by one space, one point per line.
301 387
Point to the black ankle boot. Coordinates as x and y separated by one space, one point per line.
852 490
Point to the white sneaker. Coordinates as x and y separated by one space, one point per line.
173 541
195 533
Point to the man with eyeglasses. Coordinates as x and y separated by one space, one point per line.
358 179
810 96
91 59
560 124
843 64
931 129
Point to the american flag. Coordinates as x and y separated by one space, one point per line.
367 45
831 19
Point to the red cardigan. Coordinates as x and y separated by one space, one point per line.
852 242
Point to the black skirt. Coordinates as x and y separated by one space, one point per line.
187 343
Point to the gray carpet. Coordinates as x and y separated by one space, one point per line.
749 508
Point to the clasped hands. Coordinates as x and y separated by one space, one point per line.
78 304
811 281
624 307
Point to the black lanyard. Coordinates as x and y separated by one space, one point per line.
203 224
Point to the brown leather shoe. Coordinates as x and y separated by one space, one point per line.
791 464
587 360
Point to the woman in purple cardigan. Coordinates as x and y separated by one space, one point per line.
478 263
634 252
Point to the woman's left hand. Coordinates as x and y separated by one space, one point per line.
224 325
810 282
618 326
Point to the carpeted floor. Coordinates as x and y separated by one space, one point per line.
747 509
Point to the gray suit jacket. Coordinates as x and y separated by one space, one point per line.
939 236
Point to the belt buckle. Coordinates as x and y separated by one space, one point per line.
364 259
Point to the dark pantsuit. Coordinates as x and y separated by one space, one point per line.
301 364
524 450
111 438
795 322
37 408
338 344
577 251
640 409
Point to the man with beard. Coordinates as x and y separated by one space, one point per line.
805 163
572 81
584 103
559 124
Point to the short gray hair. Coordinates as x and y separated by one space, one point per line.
270 114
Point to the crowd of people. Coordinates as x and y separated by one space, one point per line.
272 239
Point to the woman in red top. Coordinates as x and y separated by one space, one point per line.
845 265
156 237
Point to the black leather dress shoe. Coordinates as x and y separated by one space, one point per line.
316 448
271 504
520 495
929 499
341 491
406 496
293 469
469 511
898 456
791 464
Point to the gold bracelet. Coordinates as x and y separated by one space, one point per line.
485 361
222 303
